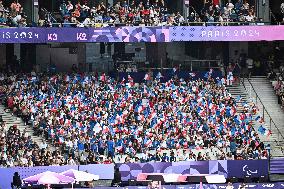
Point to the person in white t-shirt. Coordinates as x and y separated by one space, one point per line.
230 186
282 9
249 17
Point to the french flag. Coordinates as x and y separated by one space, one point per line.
106 129
152 115
147 77
177 145
122 81
61 140
159 75
140 109
103 77
67 78
192 74
257 118
242 117
268 133
129 85
148 143
131 108
130 79
119 149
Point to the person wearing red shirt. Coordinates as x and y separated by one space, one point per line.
216 2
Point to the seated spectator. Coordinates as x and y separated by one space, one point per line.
93 118
17 182
16 7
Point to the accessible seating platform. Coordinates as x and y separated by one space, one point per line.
181 178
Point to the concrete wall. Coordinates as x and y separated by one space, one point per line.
94 62
263 10
176 52
2 55
130 48
239 46
61 57
42 57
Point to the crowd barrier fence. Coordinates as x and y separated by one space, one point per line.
228 168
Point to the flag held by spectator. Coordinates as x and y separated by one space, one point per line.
148 143
130 79
192 74
261 130
267 133
159 75
103 77
147 77
238 99
257 118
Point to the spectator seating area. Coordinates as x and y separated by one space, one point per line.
154 13
13 16
136 13
278 84
97 119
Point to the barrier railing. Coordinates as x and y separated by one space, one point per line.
266 116
102 24
194 65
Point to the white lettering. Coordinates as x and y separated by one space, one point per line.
16 35
243 33
210 34
8 35
257 33
227 33
217 33
236 33
30 34
52 37
82 36
23 35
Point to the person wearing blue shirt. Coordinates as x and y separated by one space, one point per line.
110 148
101 147
233 147
94 146
81 146
165 158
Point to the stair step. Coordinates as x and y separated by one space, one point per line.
13 120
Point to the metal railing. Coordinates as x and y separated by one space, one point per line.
102 24
195 65
266 116
106 24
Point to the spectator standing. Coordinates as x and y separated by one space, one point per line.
249 62
282 10
17 182
16 7
230 186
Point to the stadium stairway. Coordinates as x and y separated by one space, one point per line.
237 90
264 90
13 120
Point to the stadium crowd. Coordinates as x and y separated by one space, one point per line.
12 16
136 13
278 84
154 13
97 119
